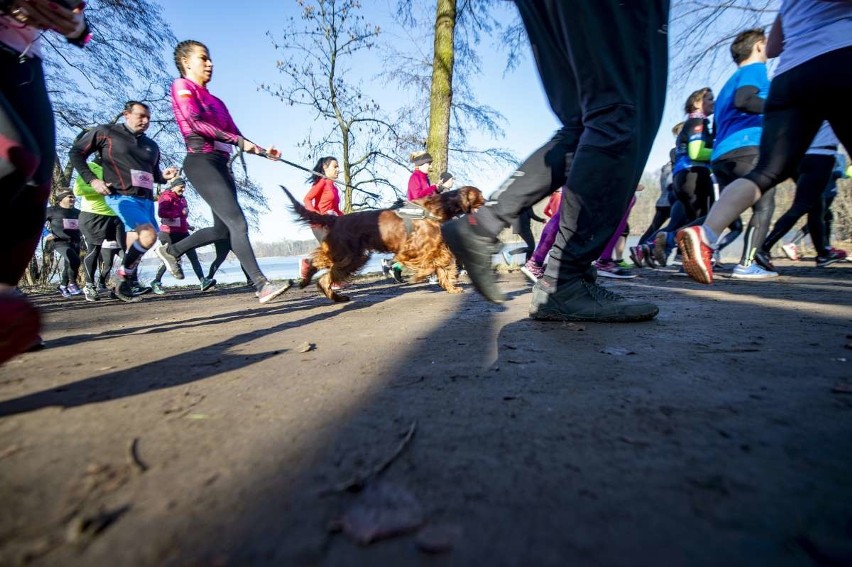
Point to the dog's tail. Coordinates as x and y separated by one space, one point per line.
309 217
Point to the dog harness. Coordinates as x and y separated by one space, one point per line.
410 212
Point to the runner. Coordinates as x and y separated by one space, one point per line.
131 166
322 198
815 174
610 104
418 184
814 40
173 211
101 230
27 153
210 134
739 119
63 221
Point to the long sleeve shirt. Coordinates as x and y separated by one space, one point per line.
323 198
418 186
173 211
203 119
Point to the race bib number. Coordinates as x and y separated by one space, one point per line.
71 224
110 245
144 179
171 222
222 147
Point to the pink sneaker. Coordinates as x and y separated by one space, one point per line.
697 255
532 270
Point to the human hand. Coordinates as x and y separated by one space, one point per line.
273 153
101 187
170 173
250 147
49 15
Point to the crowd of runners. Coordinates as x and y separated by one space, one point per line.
729 154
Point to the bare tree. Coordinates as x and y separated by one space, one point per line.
444 77
317 51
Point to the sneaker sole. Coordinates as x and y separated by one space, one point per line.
177 274
127 298
277 292
605 274
688 242
559 316
530 276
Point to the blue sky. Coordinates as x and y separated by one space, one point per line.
244 57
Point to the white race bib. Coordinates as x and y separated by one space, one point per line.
144 179
170 222
110 245
71 224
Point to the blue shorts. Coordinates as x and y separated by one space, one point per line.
132 211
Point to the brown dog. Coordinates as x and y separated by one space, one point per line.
417 244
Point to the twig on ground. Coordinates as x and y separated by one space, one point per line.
133 456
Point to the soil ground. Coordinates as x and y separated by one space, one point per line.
204 429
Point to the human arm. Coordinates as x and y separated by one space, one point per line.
552 206
747 99
168 205
49 15
197 118
775 41
700 142
418 186
85 145
312 197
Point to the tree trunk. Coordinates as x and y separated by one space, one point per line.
441 96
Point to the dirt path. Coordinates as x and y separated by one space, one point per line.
192 430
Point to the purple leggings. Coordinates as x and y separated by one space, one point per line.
548 236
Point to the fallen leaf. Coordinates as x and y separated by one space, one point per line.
306 347
197 416
381 511
617 351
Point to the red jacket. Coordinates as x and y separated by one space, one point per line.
173 212
323 198
418 186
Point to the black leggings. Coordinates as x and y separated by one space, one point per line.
694 189
661 215
799 100
26 161
69 255
173 238
727 171
814 174
209 174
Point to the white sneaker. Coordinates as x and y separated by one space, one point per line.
752 272
791 251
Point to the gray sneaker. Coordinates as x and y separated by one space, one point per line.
475 252
270 291
90 293
582 300
172 263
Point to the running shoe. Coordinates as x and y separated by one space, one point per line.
697 255
433 279
582 300
791 251
648 253
90 293
623 264
752 272
19 323
532 270
207 283
661 251
765 260
611 269
124 292
172 263
833 256
63 291
475 251
157 288
74 290
139 289
637 254
270 291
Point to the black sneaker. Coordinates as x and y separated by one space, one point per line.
830 258
139 289
270 291
764 260
207 283
124 292
475 252
582 300
172 263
